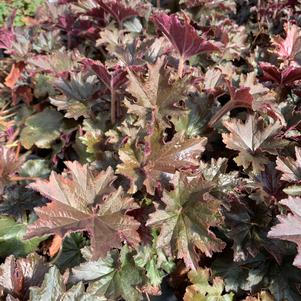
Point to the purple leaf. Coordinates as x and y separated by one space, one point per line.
117 10
183 37
112 80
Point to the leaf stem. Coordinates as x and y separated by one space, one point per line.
158 3
225 109
113 105
181 66
18 178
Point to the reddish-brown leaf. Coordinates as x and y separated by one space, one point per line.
183 36
82 200
289 47
14 74
185 221
56 245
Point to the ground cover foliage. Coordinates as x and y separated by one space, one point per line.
145 143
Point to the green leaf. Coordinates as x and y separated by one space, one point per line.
54 289
154 261
236 275
116 276
35 168
133 25
11 238
186 220
71 251
293 190
41 129
202 289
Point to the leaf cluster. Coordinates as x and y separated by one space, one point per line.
147 147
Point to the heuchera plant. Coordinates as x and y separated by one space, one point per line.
151 149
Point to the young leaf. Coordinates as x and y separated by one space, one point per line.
78 91
112 80
183 37
84 201
155 263
202 289
117 10
239 98
186 220
282 77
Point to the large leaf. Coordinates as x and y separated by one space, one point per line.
249 222
252 139
185 221
84 201
164 159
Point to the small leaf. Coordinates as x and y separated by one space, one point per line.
53 288
11 238
42 129
114 276
289 47
14 74
202 290
177 32
289 227
18 275
252 139
35 168
293 190
290 168
70 255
